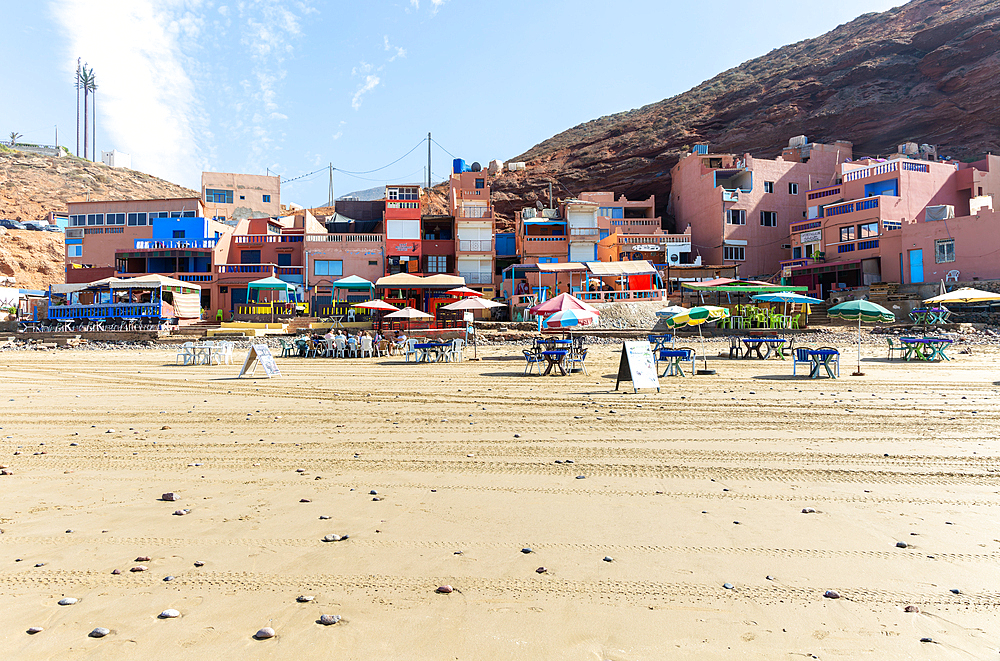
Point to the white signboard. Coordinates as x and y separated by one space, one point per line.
260 353
814 236
637 365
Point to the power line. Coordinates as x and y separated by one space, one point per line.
384 166
442 148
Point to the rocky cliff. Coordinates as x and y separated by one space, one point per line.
31 185
923 72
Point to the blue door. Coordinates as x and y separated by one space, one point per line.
237 296
916 266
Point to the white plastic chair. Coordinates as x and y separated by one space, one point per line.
350 314
185 352
454 354
366 347
411 350
352 346
952 276
341 343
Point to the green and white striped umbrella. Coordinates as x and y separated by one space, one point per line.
862 311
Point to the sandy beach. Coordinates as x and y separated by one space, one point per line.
686 491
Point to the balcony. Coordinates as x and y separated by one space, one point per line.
477 277
475 245
253 239
730 195
174 244
198 278
345 238
850 207
257 271
474 212
545 245
584 233
885 168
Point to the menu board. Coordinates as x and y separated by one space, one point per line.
260 353
638 366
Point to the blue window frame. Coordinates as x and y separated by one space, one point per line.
328 267
218 196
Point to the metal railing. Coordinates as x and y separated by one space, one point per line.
251 239
174 244
475 245
129 311
633 295
850 207
345 238
477 277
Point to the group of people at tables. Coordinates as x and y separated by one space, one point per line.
342 343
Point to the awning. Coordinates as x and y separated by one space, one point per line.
153 281
270 284
400 281
407 281
562 267
637 267
543 221
353 282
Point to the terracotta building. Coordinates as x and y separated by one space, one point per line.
469 201
230 196
740 208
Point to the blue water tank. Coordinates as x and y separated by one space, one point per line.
459 166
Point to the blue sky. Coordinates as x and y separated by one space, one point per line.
290 86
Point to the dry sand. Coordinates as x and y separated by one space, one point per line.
907 453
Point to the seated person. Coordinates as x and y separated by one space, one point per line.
329 334
400 339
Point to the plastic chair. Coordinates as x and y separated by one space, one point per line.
366 347
185 352
735 347
952 275
794 323
341 343
350 314
578 358
532 358
455 353
218 315
836 358
352 346
412 350
898 348
287 349
800 356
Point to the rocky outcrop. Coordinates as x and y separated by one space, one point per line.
923 72
32 185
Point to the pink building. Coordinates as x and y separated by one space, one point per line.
469 199
740 209
899 220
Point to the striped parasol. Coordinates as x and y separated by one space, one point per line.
696 317
862 311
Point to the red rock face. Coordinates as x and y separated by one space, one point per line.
925 72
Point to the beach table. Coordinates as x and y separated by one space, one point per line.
555 358
673 359
770 344
925 348
821 358
432 351
659 342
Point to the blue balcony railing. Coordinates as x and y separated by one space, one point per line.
175 244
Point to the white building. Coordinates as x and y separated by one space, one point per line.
116 159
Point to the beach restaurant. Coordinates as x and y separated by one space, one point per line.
149 300
428 294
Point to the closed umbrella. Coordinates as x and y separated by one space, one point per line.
862 311
696 317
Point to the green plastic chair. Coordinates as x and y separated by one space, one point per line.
218 316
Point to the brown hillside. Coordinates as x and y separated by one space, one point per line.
31 185
924 72
33 259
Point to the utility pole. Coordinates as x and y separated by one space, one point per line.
78 107
428 159
57 136
332 203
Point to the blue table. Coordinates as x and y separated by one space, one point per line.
925 348
435 349
659 342
673 358
555 359
754 344
821 358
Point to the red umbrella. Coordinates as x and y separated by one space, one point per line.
562 302
462 292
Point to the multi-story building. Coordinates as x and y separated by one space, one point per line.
541 236
229 196
630 230
582 230
469 200
903 220
740 209
402 229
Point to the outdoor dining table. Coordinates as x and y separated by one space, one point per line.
660 342
673 358
925 348
770 344
930 316
555 358
821 358
432 349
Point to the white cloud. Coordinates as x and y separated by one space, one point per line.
396 50
371 82
146 100
415 3
337 135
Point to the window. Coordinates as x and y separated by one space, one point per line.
218 196
480 183
243 197
847 233
867 230
768 186
793 189
249 257
114 219
611 212
95 218
178 234
328 267
797 252
403 194
267 198
372 262
284 259
136 219
736 216
944 251
437 264
769 218
74 251
158 214
188 214
733 253
77 220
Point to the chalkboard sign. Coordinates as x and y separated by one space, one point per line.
637 365
260 353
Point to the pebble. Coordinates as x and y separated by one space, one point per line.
142 558
199 563
39 564
99 632
170 496
265 633
373 493
116 572
927 640
901 545
297 470
168 578
181 512
955 591
911 609
581 477
165 427
73 445
541 570
445 589
334 538
808 510
831 594
728 586
376 499
329 619
304 500
608 558
34 630
526 549
769 577
302 599
68 601
169 613
138 568
323 517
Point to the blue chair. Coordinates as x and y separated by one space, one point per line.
577 358
836 358
801 356
532 358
